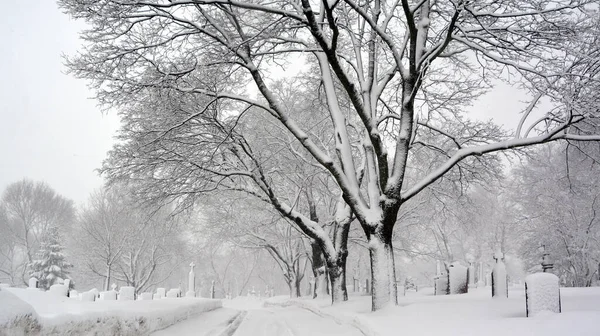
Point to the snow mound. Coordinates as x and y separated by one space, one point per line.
65 316
16 316
543 293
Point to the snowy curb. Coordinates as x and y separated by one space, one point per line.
354 320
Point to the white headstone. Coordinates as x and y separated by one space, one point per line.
73 294
33 282
161 292
472 275
59 290
499 278
88 296
191 282
108 296
145 296
173 293
542 292
458 279
480 276
441 284
126 293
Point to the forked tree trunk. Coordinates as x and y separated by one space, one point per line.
319 271
383 273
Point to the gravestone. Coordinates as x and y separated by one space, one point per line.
108 296
472 275
145 296
458 277
126 293
161 292
89 296
59 290
191 282
33 283
73 294
499 277
441 284
173 293
212 289
542 293
480 275
367 286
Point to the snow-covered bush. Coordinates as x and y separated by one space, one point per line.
542 293
16 316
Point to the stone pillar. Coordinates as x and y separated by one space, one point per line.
367 287
458 278
212 289
472 275
191 282
499 278
480 276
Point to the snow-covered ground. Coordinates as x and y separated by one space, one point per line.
475 313
62 315
419 313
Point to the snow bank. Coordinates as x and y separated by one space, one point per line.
16 316
542 293
64 316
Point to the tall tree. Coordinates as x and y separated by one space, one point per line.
49 265
30 210
406 68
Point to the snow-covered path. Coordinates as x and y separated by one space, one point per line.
272 321
290 321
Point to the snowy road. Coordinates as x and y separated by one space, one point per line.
291 321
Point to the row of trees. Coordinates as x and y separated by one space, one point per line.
375 118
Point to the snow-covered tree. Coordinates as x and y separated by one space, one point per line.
390 74
50 265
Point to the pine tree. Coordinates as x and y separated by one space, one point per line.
50 264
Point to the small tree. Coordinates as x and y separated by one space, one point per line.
50 264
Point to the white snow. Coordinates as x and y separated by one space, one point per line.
543 293
471 314
63 315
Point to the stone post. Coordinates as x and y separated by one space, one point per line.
33 283
191 282
212 289
480 276
472 275
499 277
367 287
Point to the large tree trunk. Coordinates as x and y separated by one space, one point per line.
319 271
337 276
383 273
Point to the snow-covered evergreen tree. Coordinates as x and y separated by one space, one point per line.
50 265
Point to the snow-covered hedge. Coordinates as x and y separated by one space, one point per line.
542 292
67 316
16 316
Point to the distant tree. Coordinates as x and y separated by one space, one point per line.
27 211
49 265
118 239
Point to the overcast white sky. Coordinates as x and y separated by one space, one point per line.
49 128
